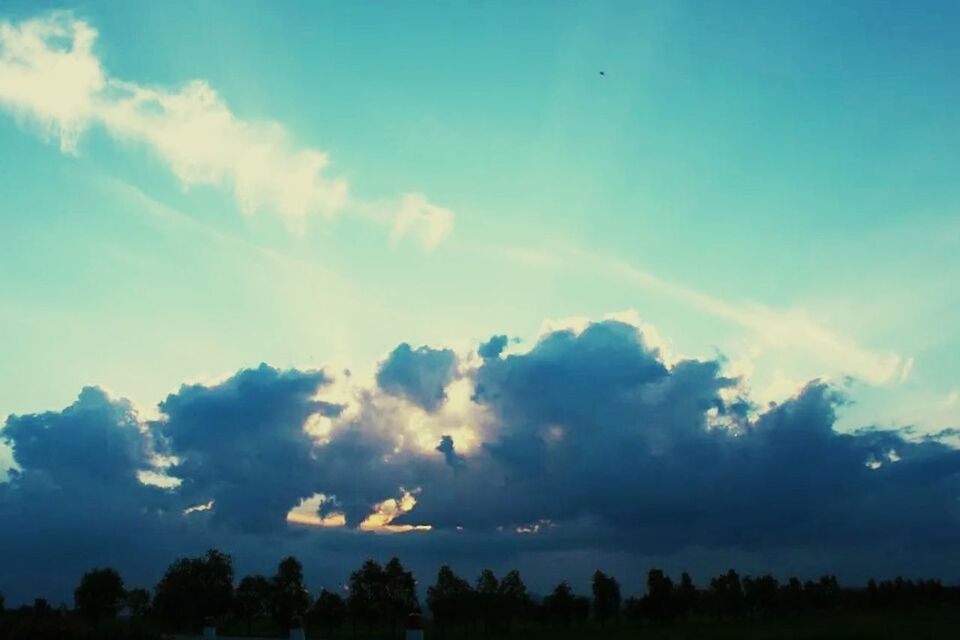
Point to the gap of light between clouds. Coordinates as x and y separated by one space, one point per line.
51 77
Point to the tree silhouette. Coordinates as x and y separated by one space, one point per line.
873 594
760 594
450 598
634 608
580 610
822 595
791 596
489 600
195 588
137 601
329 611
400 592
906 594
515 601
487 583
288 594
559 605
728 594
661 601
100 594
251 600
688 598
41 608
367 593
606 597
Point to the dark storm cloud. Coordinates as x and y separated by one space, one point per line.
93 440
591 446
242 443
420 375
75 501
596 432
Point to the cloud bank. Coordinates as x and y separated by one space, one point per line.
51 77
588 442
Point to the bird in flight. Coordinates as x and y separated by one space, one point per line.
603 73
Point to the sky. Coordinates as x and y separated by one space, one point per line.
332 272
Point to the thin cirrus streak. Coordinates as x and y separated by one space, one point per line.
771 329
775 328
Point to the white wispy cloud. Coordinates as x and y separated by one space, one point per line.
774 328
423 220
529 257
47 73
769 330
907 369
51 77
203 142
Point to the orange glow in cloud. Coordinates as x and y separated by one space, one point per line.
307 513
314 520
390 509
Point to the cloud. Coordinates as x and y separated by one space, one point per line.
420 375
493 347
75 499
96 440
587 444
907 369
204 143
51 76
449 451
418 217
770 330
528 257
242 444
598 434
54 85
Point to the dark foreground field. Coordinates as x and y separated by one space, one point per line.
918 624
914 625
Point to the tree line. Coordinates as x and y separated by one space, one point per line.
200 591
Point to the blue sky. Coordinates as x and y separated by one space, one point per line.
771 184
799 158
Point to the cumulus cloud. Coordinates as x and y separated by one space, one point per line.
95 439
598 432
75 498
586 443
51 76
420 375
493 347
242 444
